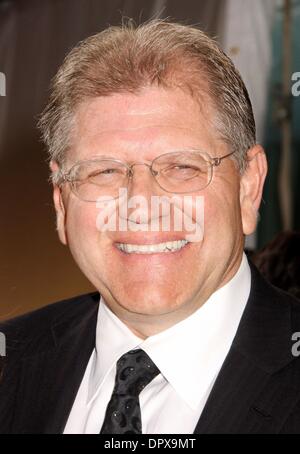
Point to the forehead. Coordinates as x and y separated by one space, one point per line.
153 117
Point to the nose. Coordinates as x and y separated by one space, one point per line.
141 186
142 181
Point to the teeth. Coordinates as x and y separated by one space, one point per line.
169 246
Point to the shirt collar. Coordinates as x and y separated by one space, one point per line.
189 354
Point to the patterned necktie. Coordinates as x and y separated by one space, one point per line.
123 414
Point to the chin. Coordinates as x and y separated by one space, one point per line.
148 303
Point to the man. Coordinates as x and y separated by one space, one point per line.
185 336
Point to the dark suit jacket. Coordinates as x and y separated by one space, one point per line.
257 390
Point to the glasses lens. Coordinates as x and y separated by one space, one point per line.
181 172
98 178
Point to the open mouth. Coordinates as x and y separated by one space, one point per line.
167 247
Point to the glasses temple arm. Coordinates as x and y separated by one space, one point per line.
217 161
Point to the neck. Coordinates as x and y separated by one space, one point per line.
146 325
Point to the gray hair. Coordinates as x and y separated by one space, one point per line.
127 58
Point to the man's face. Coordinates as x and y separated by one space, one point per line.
138 128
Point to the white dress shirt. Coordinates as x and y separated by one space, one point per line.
189 356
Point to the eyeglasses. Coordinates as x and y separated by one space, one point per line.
179 172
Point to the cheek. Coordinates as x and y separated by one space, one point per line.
221 214
81 223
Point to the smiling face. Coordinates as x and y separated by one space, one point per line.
151 288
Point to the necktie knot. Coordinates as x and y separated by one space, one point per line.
135 370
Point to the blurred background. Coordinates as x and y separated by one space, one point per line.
261 36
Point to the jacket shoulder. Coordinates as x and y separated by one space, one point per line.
262 288
19 331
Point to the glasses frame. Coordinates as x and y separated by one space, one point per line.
66 177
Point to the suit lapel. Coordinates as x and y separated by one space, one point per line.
256 387
49 380
232 396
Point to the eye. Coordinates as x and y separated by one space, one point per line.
180 171
100 172
105 175
185 167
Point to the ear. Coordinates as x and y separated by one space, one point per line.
251 187
59 207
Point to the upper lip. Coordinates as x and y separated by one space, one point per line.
141 239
